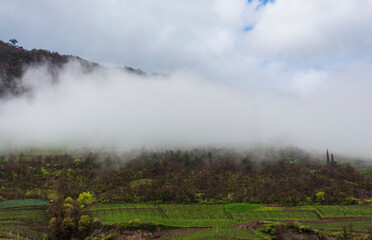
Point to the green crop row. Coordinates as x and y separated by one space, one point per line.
365 225
224 233
23 218
267 215
19 203
340 210
126 215
122 205
194 211
249 207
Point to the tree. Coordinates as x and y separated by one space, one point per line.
346 233
84 199
13 41
84 225
327 157
320 196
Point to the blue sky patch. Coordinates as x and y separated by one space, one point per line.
248 28
262 2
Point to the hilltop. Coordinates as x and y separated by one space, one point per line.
14 60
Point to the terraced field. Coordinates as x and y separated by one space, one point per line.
340 211
223 233
271 215
164 214
365 225
23 218
29 218
218 216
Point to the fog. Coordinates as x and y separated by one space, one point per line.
111 108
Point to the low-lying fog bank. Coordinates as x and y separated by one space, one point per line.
109 108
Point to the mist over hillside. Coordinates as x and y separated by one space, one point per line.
75 103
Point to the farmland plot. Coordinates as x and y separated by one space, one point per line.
23 218
340 210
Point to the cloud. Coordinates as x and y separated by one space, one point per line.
111 108
313 32
298 76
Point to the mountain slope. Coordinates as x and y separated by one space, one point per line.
14 60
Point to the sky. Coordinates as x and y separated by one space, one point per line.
295 71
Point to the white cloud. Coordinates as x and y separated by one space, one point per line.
313 31
111 108
307 82
302 60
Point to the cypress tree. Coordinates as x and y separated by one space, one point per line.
327 157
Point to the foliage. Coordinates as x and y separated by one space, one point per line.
14 60
346 233
69 200
67 220
320 196
84 223
181 177
85 199
292 230
161 178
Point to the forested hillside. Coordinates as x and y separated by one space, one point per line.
14 60
183 176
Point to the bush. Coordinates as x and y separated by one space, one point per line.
69 200
84 223
85 199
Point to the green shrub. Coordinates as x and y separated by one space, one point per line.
85 199
84 223
68 225
69 200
